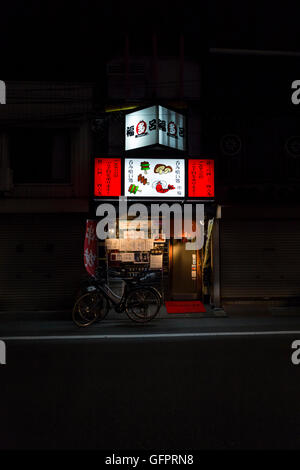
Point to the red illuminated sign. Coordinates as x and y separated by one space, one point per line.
107 181
201 178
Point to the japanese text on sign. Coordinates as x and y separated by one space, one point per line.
201 178
107 177
154 178
155 125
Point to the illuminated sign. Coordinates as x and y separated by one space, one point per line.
151 177
107 180
155 125
154 177
201 178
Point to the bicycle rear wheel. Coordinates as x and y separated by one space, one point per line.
142 305
89 308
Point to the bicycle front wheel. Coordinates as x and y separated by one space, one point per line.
142 305
89 308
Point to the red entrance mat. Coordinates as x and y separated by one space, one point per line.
185 306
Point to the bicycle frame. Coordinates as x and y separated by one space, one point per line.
119 302
89 307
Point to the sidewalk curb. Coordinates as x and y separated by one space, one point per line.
67 314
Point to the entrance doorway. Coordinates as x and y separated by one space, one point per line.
185 272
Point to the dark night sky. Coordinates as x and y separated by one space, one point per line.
57 39
271 25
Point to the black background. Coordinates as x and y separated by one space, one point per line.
43 40
59 40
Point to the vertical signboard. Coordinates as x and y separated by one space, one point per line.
201 178
107 177
172 129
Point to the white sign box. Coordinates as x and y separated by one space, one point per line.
155 125
151 177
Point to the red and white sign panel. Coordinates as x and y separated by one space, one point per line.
151 177
90 247
201 178
107 180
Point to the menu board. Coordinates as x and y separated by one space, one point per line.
128 244
156 261
201 178
155 178
107 180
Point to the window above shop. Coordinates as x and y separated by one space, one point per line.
40 156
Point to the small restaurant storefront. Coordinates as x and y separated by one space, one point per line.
160 199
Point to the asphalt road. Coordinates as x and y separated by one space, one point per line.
175 384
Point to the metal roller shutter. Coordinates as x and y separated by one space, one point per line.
260 259
41 260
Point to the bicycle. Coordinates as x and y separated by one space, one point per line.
141 303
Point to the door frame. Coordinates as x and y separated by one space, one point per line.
198 294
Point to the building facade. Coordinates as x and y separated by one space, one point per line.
52 134
45 150
252 129
136 84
